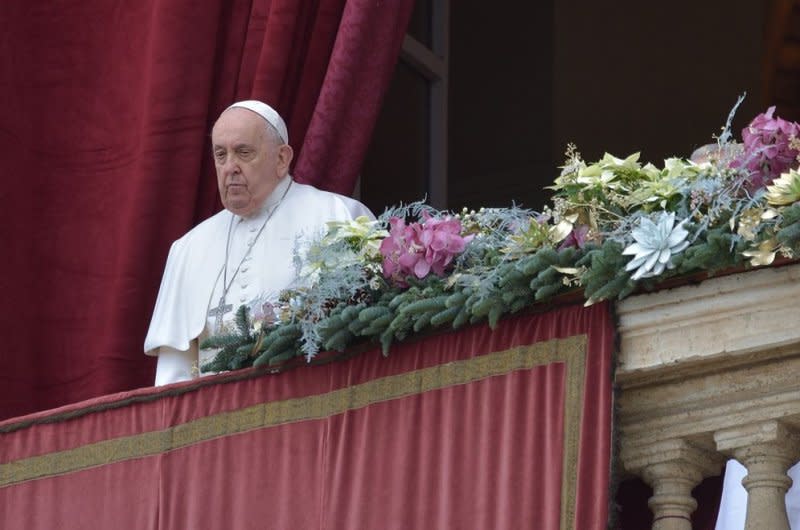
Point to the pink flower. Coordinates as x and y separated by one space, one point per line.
264 312
396 246
576 238
767 148
420 248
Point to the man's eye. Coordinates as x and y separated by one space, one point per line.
220 155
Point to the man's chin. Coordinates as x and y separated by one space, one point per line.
242 208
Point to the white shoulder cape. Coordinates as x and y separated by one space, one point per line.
194 261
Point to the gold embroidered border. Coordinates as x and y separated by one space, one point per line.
571 351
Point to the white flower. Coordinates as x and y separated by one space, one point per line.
375 283
656 243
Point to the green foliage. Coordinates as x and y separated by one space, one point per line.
605 275
721 249
789 234
235 348
599 225
243 321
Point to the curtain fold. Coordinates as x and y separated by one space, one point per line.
470 429
105 111
483 455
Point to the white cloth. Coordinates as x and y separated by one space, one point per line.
192 282
733 504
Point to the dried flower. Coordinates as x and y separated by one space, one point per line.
749 222
655 245
763 253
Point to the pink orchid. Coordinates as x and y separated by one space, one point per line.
767 148
420 248
395 248
577 238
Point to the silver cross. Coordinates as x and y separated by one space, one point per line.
218 312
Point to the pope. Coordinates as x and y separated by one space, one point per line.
245 252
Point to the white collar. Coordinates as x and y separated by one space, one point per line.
270 203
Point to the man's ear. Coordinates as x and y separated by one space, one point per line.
285 155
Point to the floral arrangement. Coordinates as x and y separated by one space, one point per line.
614 225
421 248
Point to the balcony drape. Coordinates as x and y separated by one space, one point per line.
105 111
469 429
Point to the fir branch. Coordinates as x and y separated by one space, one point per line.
243 321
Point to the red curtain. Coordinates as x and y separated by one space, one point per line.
105 109
475 429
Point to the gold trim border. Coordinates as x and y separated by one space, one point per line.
571 351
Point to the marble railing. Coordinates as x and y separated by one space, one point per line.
708 372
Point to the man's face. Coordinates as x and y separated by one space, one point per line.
248 160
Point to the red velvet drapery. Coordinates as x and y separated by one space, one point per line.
473 429
105 109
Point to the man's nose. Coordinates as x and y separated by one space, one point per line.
231 166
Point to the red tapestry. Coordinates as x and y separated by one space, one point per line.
471 429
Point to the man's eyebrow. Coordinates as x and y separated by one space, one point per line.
235 147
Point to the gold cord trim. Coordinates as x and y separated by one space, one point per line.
571 351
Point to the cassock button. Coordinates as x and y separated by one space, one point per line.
250 241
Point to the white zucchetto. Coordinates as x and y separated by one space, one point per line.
266 112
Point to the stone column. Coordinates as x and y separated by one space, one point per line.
672 468
767 449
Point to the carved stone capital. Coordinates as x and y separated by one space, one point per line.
672 468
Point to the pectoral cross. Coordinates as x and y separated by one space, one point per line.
218 312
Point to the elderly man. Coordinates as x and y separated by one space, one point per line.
244 252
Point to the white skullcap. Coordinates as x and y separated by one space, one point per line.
266 112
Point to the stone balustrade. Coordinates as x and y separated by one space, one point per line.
707 372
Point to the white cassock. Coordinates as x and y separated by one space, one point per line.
193 279
733 504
